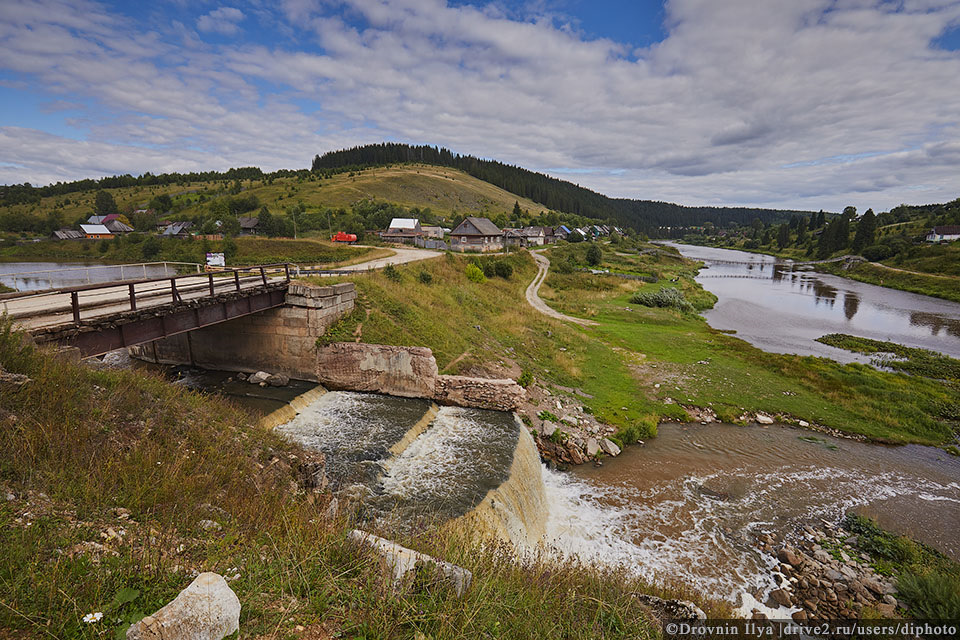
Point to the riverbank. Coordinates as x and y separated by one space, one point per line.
119 487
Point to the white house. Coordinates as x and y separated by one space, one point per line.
944 234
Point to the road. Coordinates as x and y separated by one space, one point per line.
533 297
400 256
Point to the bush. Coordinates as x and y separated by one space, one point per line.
933 595
150 247
548 417
666 298
594 255
392 273
475 274
525 379
104 246
489 269
503 269
877 252
425 277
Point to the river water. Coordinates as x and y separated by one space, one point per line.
686 506
36 276
783 308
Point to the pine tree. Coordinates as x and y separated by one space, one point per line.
783 235
104 204
866 231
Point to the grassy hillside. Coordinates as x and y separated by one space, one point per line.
446 192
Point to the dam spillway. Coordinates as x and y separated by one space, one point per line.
415 462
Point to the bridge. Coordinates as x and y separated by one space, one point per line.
97 318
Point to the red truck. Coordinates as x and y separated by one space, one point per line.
340 236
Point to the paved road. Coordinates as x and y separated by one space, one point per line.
400 256
533 297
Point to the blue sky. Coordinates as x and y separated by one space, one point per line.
783 103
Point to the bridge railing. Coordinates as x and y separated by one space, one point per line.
104 294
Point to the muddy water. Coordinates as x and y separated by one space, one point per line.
687 505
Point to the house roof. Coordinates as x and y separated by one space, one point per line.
248 222
176 228
95 229
948 230
476 227
407 224
563 228
67 234
533 232
102 219
118 227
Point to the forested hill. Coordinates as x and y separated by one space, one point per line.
558 195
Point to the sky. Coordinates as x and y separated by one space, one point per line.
804 104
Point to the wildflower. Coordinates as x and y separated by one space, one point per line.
90 618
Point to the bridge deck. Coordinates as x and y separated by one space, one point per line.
100 317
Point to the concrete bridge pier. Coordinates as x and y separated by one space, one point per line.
279 340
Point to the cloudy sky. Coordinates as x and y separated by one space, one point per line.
783 103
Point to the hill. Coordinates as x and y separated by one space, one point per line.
552 193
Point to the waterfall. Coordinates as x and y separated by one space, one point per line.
420 462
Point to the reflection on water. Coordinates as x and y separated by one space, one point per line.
783 308
689 503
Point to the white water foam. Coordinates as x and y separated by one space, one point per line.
674 531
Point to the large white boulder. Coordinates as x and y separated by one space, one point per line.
207 609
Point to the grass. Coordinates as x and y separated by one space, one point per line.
921 362
928 582
697 365
250 250
112 472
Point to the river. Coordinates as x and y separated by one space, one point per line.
783 308
36 276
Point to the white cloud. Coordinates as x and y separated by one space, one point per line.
790 103
225 20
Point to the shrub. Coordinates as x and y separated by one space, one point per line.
488 269
548 417
594 255
425 277
392 273
525 379
503 269
104 246
475 274
666 298
877 252
932 595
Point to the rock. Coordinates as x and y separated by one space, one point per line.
887 610
781 597
400 561
810 605
674 610
803 423
548 428
822 556
833 576
789 556
889 599
872 585
576 456
482 393
610 447
764 419
209 525
799 616
206 610
409 372
278 380
258 377
241 376
852 540
593 447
